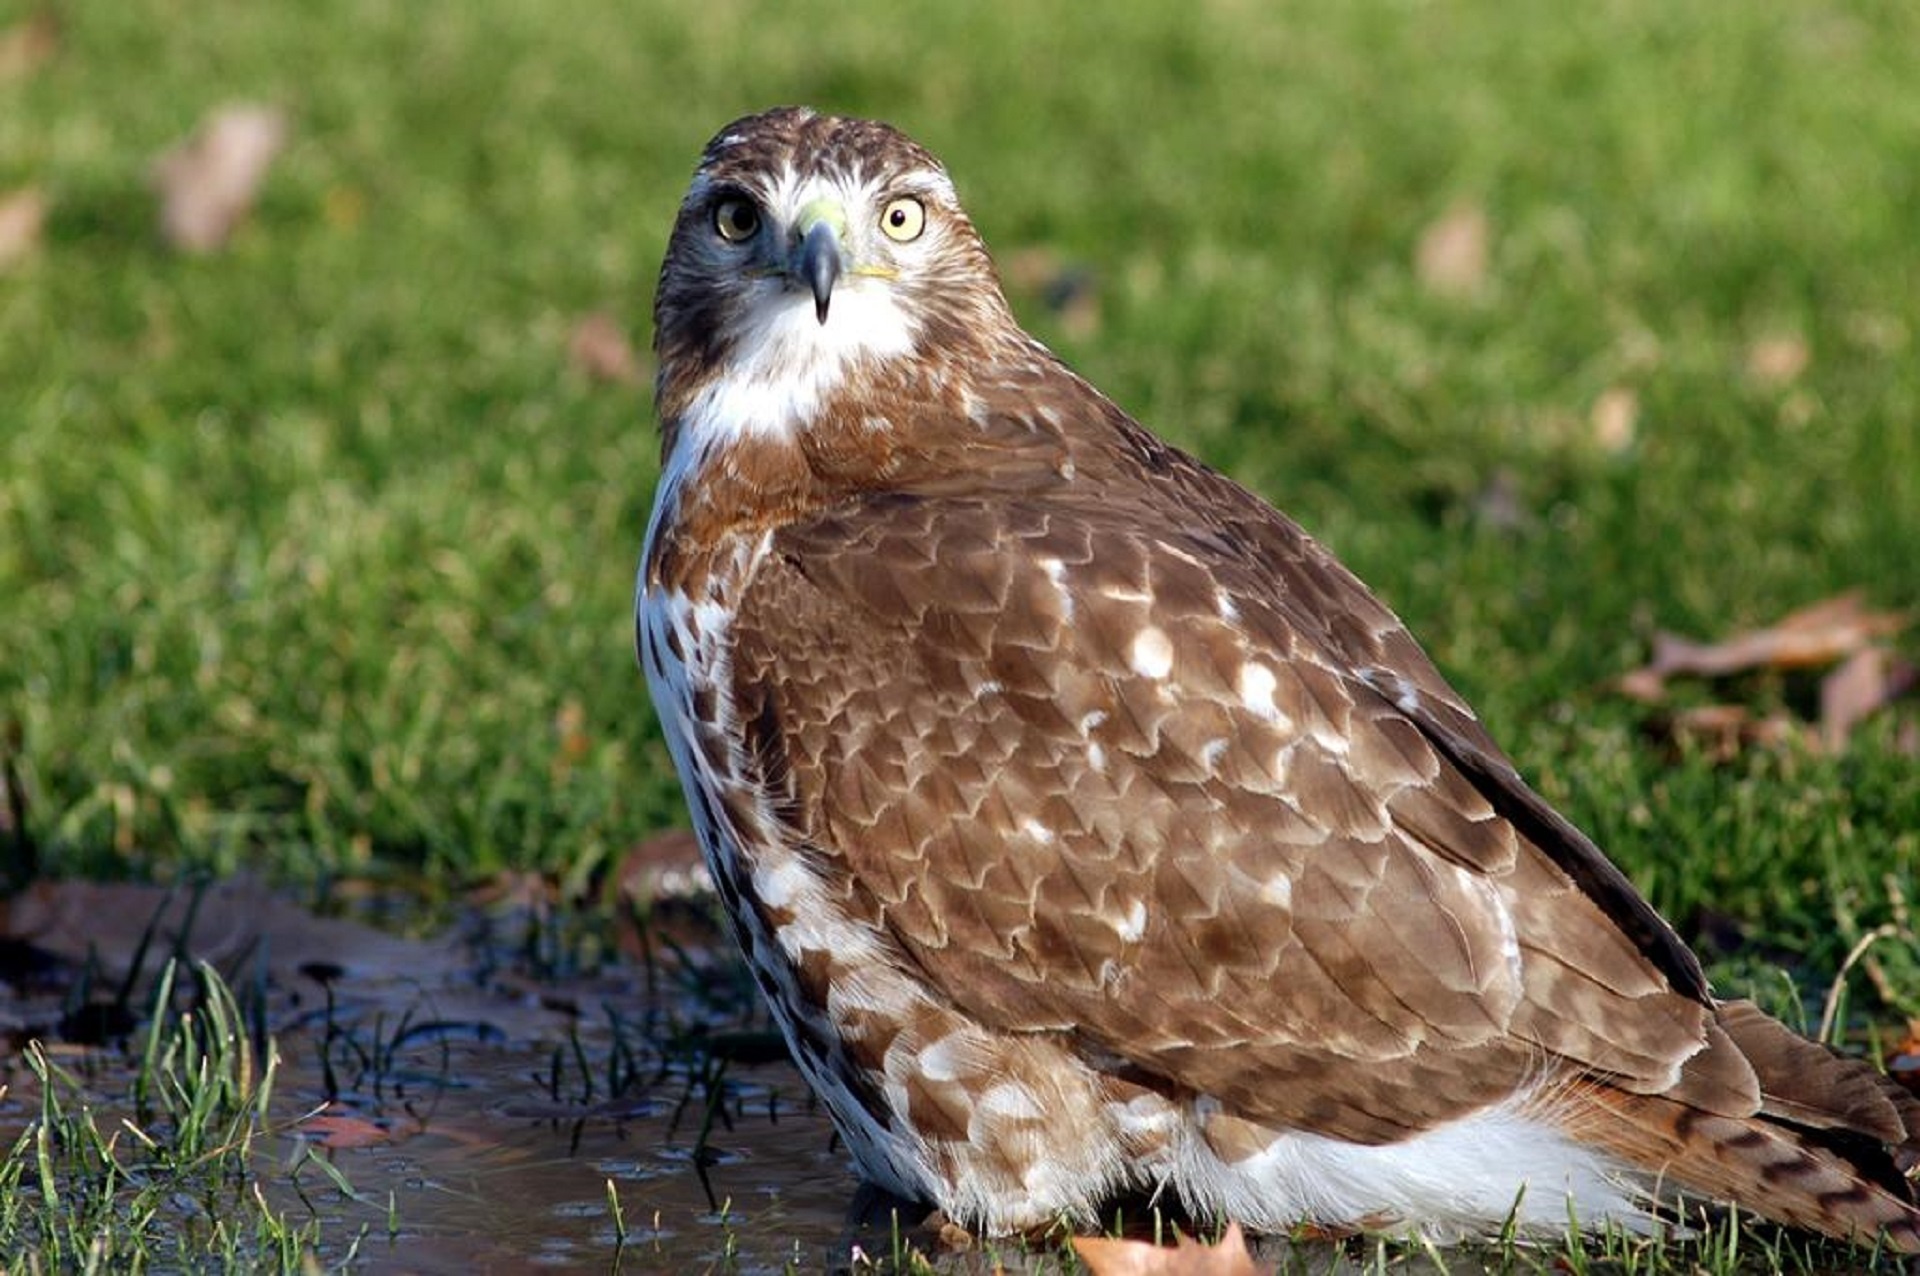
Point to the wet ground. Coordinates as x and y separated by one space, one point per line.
526 1091
488 1172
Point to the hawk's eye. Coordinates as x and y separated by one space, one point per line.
736 220
903 219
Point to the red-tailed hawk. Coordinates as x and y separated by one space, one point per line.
1091 829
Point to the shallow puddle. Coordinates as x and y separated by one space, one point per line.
489 1173
486 1112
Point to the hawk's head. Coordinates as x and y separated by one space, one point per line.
807 247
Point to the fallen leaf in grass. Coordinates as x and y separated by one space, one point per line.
230 924
570 731
1644 684
1903 1061
1032 268
1615 415
1821 634
1106 1257
662 900
29 44
208 183
1868 681
1723 731
1070 291
666 865
1778 360
516 889
22 214
1076 299
1451 257
600 349
342 1130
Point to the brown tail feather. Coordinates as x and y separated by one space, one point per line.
1808 1084
1828 1150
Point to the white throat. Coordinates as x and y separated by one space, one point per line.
786 364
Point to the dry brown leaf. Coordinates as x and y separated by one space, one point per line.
1643 684
22 214
1778 360
1075 299
232 921
570 733
1615 417
666 865
1723 731
1032 268
601 350
1105 1257
1820 634
1071 292
1451 257
340 1130
1903 1061
1865 683
516 889
29 44
660 891
209 182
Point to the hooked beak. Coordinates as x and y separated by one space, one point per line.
817 264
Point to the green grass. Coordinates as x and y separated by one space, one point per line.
171 1184
311 551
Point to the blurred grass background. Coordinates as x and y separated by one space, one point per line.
316 555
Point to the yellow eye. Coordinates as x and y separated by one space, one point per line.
903 219
736 220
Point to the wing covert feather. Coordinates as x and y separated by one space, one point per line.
1128 788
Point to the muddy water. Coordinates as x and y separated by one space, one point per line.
491 1164
481 1088
489 1139
488 1172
